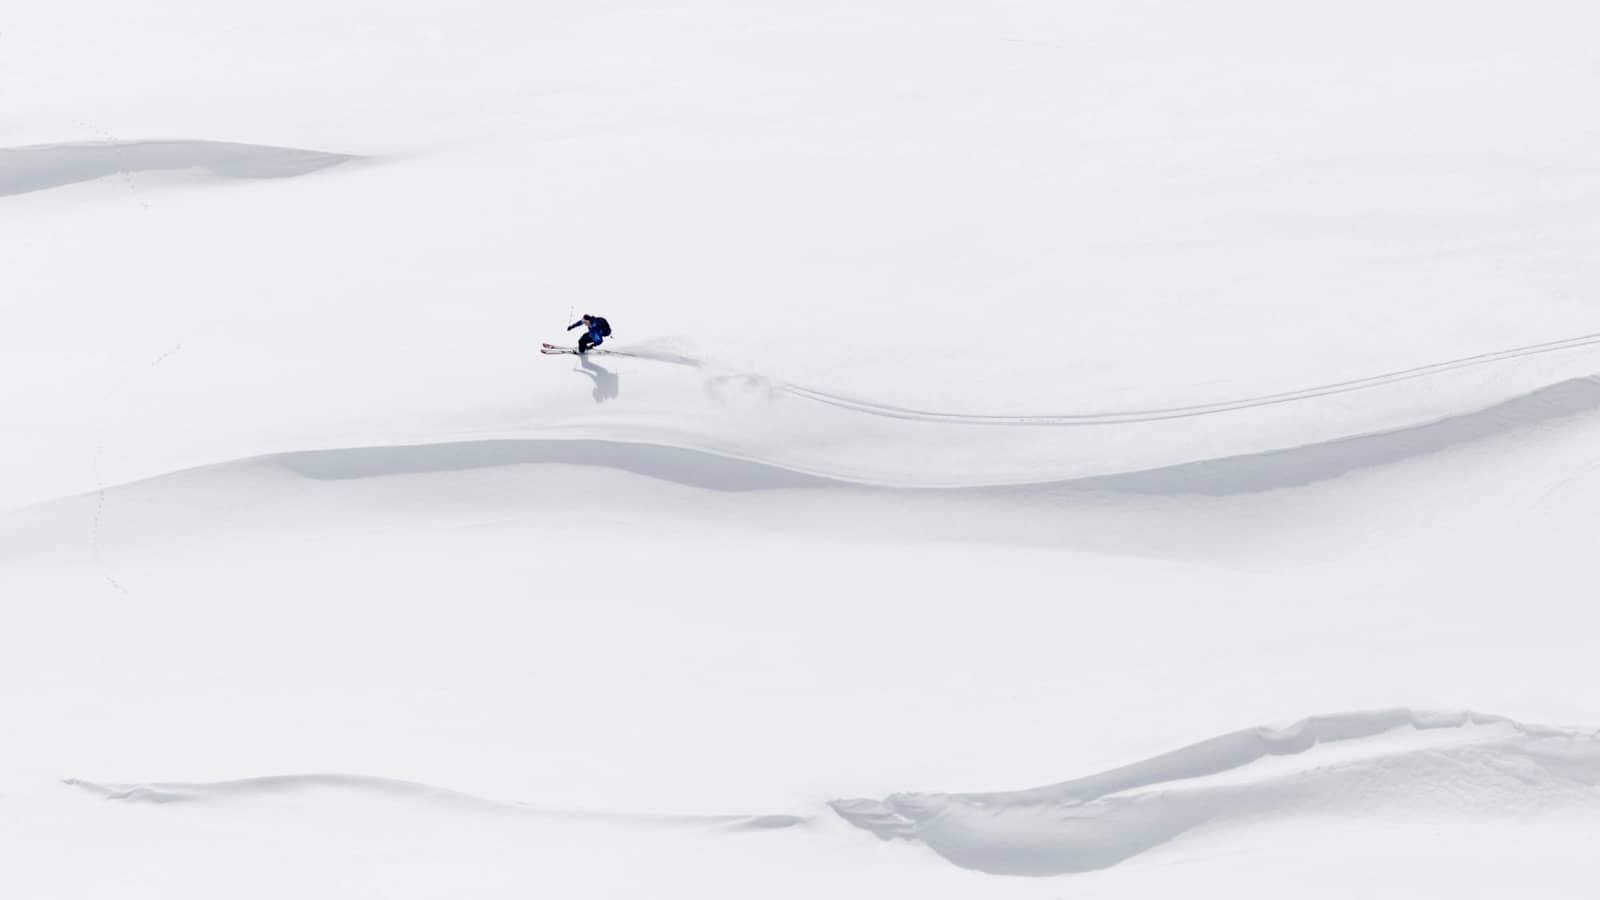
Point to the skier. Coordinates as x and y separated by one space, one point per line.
598 330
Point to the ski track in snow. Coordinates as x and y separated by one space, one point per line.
1392 763
690 462
1133 416
711 470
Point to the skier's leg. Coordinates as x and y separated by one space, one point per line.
584 343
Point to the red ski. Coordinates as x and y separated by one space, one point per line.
552 349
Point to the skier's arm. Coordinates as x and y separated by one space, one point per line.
576 324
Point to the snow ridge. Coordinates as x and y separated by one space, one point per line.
1400 762
1396 764
710 469
1240 474
410 794
24 170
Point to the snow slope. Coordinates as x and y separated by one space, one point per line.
1001 392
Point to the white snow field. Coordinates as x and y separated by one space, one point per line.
1106 448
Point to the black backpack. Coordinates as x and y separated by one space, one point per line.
602 326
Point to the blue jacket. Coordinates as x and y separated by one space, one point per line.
598 327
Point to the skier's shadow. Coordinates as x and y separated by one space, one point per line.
606 386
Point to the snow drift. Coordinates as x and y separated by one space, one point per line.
27 169
403 795
1390 765
1345 765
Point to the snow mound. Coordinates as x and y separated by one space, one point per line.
409 794
24 170
704 462
1397 762
714 470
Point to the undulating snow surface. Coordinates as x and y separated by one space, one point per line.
1199 403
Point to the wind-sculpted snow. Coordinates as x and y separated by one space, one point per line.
1311 463
1396 762
27 169
710 469
688 467
408 794
1293 466
1264 441
254 788
700 425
